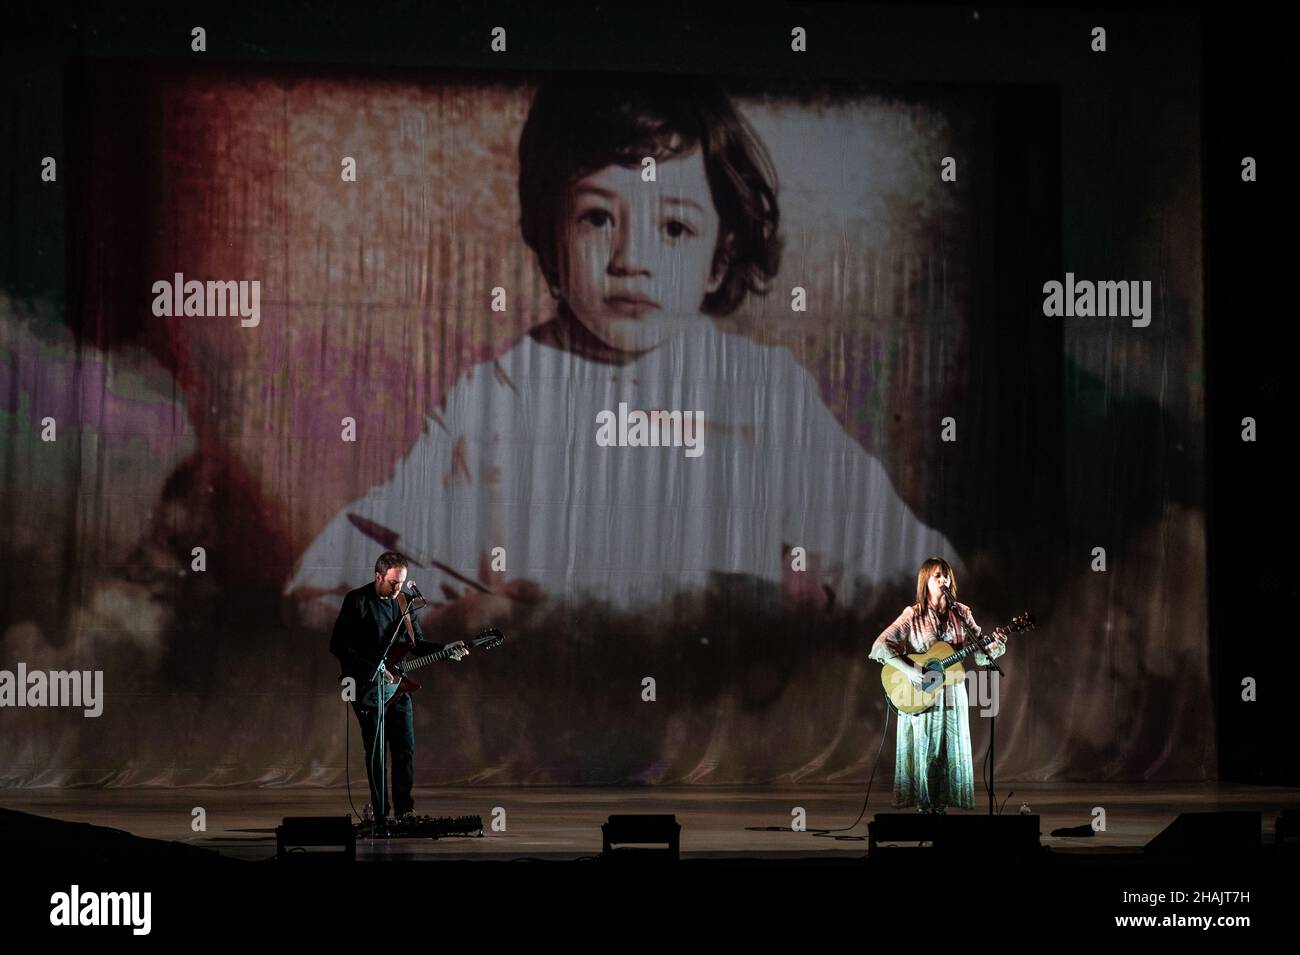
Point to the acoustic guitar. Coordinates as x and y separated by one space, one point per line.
941 666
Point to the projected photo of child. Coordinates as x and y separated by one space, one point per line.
627 449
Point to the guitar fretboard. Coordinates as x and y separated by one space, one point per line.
964 652
414 663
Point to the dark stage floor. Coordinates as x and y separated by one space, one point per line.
564 823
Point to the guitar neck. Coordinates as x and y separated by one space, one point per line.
414 663
979 643
487 638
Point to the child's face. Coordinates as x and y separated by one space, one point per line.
636 257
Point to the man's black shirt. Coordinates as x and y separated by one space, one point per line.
361 632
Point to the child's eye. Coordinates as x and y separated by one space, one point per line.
597 217
676 229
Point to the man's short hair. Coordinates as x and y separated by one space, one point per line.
387 561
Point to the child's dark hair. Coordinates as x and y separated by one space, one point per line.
579 124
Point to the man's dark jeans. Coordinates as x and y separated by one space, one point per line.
399 730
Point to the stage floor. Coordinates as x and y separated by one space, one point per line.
564 823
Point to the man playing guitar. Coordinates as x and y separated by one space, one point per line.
365 623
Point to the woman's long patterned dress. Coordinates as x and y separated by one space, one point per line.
933 766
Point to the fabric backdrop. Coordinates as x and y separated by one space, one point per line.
823 430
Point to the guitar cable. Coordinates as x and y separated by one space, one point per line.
347 759
829 833
347 764
988 787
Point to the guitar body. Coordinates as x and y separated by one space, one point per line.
488 638
390 690
941 666
912 700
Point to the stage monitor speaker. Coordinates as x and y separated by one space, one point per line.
296 833
658 830
1208 834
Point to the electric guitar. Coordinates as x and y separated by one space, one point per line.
941 666
488 638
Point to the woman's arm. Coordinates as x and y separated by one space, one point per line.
981 658
890 648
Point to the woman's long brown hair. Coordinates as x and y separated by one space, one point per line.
922 604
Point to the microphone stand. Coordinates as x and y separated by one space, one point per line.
993 725
380 716
993 738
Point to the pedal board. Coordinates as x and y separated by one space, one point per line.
423 827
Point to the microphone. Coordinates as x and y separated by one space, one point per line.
952 604
415 591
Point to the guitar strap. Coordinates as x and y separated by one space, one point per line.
406 619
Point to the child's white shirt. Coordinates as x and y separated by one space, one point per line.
511 461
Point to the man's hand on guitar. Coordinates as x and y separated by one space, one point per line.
458 650
390 676
915 674
999 640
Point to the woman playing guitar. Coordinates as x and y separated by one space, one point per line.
933 767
